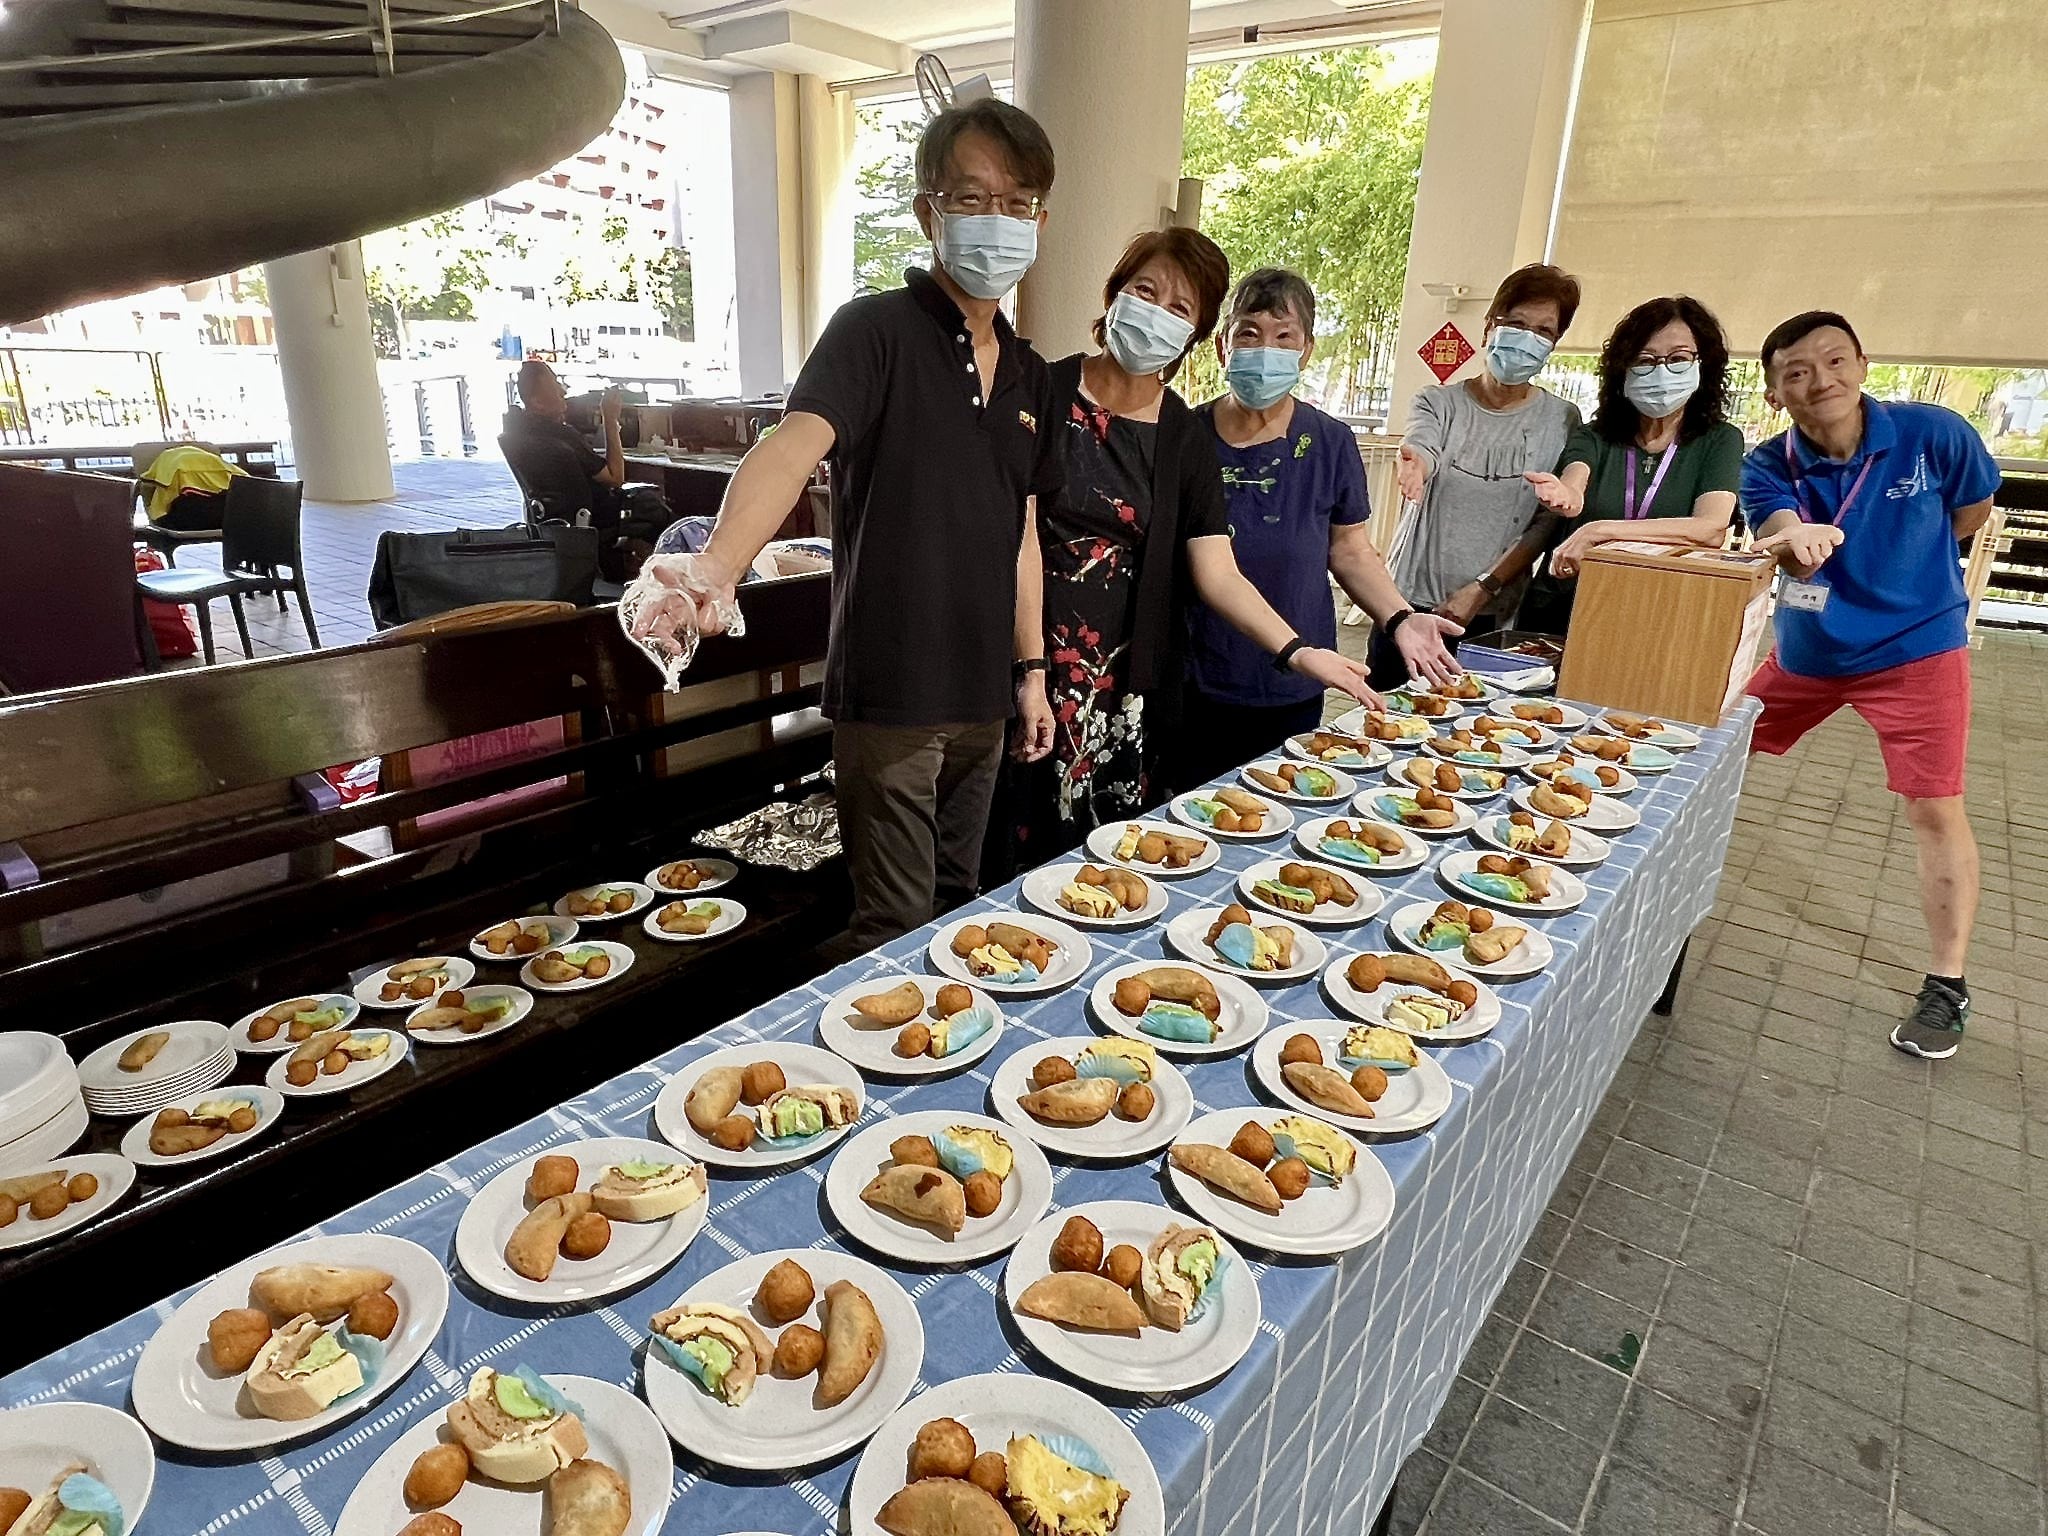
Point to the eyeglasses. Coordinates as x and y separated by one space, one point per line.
973 202
1643 367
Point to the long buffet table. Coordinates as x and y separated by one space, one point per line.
1354 1356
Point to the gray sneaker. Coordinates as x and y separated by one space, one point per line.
1935 1026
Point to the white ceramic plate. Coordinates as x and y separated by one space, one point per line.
622 962
1189 935
872 1047
1344 785
1377 753
730 915
1528 958
455 973
267 1102
192 1044
1377 803
1043 885
116 1176
1026 1193
560 931
1442 748
1567 890
522 1005
1544 736
239 1037
353 1076
1327 1219
54 1136
41 1440
1103 840
37 1080
1574 718
1308 837
624 1434
1606 815
1242 1017
780 1425
183 1399
1153 1359
1330 914
637 1251
1414 1101
803 1066
1353 722
1277 820
642 895
995 1408
1470 791
1402 702
1070 961
1112 1139
1673 738
1626 783
1478 1020
716 872
1588 849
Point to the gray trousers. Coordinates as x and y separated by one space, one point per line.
913 809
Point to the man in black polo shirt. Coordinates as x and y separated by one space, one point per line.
930 408
553 460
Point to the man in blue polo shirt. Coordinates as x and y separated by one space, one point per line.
1863 503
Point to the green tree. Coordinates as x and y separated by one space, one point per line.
431 269
1310 161
886 238
673 291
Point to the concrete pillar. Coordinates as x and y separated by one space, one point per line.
825 150
1499 119
329 365
1109 84
767 230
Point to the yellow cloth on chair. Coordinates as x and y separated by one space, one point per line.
185 467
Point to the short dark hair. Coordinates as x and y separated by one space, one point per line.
1615 418
1275 291
1788 333
1533 284
1015 132
1201 261
530 374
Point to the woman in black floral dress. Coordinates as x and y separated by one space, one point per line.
1140 526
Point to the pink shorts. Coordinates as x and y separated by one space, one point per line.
1920 711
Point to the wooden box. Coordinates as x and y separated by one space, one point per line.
1666 631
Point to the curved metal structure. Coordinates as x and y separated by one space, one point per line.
233 142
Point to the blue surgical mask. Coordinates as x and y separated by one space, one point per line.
1260 376
1142 337
986 253
1664 388
1515 356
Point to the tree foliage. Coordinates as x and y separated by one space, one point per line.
886 238
432 269
1310 161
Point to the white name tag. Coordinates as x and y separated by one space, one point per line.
1806 596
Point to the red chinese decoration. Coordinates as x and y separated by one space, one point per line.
1446 352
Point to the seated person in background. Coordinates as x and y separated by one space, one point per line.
1659 462
184 487
556 465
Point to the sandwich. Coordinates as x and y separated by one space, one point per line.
300 1371
722 1347
806 1112
1328 1152
642 1190
1180 1268
1178 1021
1288 898
1120 1060
1375 1045
1060 1489
1092 901
1424 1011
517 1427
957 1031
75 1504
1127 845
965 1150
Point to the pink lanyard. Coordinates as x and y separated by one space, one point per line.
1629 510
1799 486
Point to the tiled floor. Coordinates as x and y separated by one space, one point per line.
1789 1285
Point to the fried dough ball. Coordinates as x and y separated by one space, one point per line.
913 1040
551 1176
597 966
943 1448
1136 1102
1478 919
953 998
798 1351
1052 1069
1079 1246
300 1073
990 1473
1254 1143
437 1475
83 1186
735 1133
234 1337
335 1064
971 937
760 1080
914 1152
1462 992
619 901
588 1236
1132 997
1366 973
299 1031
1290 1177
1370 1081
433 1524
785 1292
264 1028
45 1203
1301 1048
984 1192
1123 1264
166 1118
373 1313
243 1119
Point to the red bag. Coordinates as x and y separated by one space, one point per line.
166 620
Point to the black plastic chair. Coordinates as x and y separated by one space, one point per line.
260 534
165 541
547 464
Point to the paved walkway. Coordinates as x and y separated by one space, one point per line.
1789 1285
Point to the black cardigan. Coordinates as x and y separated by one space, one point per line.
1187 480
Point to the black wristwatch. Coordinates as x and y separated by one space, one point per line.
1490 584
1283 660
1019 670
1396 622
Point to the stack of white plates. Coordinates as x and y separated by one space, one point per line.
197 1056
41 1110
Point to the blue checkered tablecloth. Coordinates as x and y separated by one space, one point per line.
1354 1357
